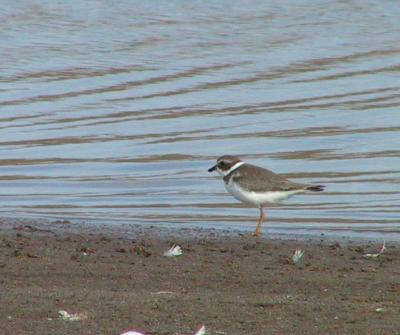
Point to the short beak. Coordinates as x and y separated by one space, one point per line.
211 169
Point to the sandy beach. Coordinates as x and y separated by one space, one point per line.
232 283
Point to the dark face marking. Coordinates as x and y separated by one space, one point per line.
224 166
224 163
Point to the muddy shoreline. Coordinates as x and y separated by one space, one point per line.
231 282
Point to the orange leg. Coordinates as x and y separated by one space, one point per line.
260 221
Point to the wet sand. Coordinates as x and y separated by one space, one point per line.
232 283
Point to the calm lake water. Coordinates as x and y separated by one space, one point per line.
114 111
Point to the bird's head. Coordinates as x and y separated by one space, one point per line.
226 164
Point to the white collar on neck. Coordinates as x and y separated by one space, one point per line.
233 168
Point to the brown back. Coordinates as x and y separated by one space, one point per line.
266 180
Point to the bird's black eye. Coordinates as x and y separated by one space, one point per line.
221 164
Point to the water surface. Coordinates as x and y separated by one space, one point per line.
115 111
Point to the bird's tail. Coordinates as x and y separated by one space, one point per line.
315 188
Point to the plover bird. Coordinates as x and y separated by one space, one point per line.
257 186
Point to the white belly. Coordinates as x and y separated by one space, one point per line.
258 198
